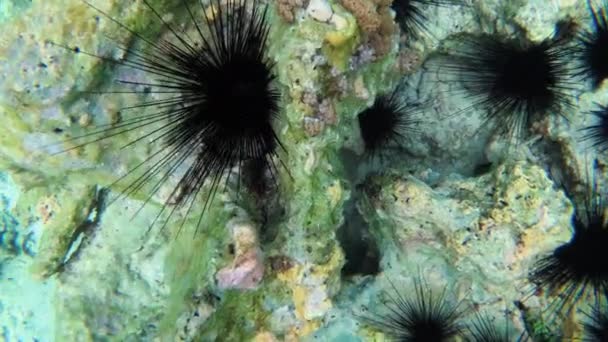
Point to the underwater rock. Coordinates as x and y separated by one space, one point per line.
246 273
539 17
247 269
479 236
12 239
319 10
312 287
125 279
80 261
26 308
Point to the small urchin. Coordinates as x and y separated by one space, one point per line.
216 101
594 43
577 269
422 316
514 81
386 123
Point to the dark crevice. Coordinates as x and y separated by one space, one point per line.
360 248
82 235
262 199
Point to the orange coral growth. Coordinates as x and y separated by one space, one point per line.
382 39
365 12
375 20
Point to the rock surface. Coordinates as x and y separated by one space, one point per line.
76 263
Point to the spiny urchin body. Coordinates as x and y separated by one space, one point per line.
386 123
411 16
218 101
597 134
420 317
514 81
595 46
577 268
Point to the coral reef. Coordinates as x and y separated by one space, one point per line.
366 13
375 20
454 203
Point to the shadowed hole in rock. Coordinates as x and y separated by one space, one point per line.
360 249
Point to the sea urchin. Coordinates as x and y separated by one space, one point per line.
386 122
597 134
579 267
515 81
422 317
411 16
217 105
595 46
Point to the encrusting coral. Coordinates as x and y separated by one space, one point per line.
375 21
366 13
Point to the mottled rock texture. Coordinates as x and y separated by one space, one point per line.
452 205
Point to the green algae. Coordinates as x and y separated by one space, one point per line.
63 207
97 297
241 314
112 295
187 264
339 45
12 8
316 198
10 148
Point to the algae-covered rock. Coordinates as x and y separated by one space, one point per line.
478 237
26 307
83 257
114 277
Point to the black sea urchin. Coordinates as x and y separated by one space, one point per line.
580 266
596 325
386 122
516 82
598 134
411 16
218 100
422 317
595 46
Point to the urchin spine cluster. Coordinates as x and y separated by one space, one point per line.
421 316
597 134
386 123
576 269
425 316
595 325
484 329
219 102
515 82
594 42
411 16
593 66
